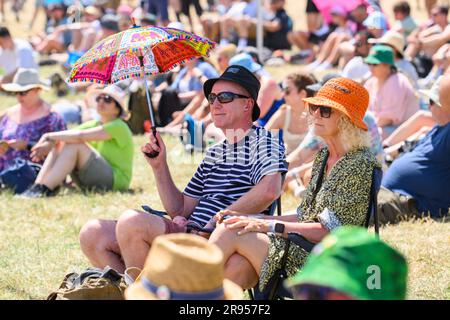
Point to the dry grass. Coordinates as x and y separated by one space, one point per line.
39 238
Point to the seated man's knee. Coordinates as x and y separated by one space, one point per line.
93 235
129 222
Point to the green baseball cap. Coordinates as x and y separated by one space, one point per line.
357 263
380 54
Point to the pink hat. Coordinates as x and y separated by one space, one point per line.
125 10
338 10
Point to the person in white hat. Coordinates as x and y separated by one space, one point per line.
417 126
23 124
97 154
416 184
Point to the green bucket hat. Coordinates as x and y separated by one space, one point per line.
352 261
380 54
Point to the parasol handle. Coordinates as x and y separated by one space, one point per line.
152 154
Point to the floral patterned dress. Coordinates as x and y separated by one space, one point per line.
343 199
30 132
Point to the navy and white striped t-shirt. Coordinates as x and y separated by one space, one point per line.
231 170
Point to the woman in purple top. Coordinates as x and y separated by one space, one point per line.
22 125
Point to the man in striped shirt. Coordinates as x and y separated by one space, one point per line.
242 173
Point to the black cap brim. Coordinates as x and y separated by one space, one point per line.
314 87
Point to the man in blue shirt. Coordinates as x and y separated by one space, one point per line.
417 183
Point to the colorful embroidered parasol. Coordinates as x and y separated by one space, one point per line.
137 53
128 53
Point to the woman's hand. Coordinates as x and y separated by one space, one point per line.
222 213
41 150
247 224
4 146
17 144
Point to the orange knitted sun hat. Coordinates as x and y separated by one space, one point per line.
345 95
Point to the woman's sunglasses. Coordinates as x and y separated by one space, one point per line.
325 112
224 97
23 93
105 98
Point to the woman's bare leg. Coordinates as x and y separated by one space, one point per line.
327 47
71 156
334 53
253 246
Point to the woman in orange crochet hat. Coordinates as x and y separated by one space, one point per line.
337 195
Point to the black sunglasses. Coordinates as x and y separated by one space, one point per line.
224 97
23 93
325 112
431 102
105 98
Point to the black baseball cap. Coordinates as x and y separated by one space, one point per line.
243 77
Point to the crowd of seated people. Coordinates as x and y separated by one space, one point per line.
379 103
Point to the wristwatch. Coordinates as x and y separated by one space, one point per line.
279 228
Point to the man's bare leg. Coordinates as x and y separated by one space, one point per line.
135 232
99 244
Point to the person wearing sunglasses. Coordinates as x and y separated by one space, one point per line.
242 172
351 264
291 117
337 195
301 159
98 154
23 124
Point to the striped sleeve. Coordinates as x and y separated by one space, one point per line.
194 188
270 158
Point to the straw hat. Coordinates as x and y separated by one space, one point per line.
393 39
112 90
24 80
346 96
183 267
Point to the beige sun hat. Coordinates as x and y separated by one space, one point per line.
93 11
183 266
433 92
393 39
24 80
112 90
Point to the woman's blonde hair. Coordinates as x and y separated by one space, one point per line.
351 136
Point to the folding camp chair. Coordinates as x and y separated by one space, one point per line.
274 289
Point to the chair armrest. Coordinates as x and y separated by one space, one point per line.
301 241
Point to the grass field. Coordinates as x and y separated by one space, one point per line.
39 238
